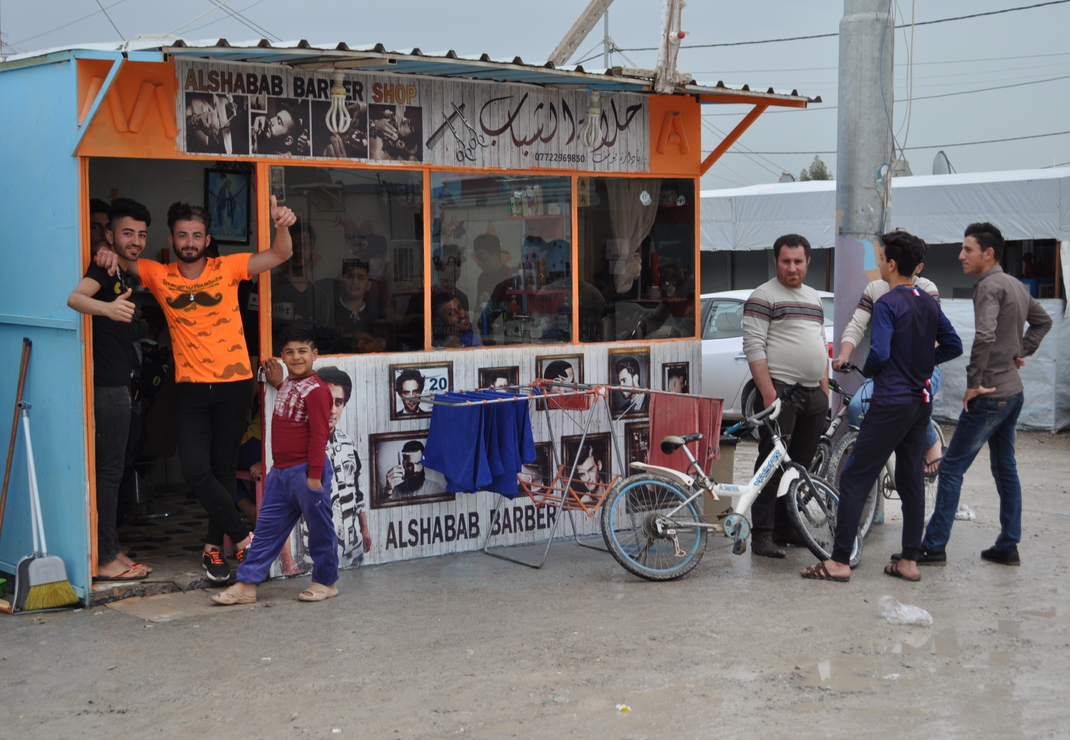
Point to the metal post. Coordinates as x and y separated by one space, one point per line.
864 151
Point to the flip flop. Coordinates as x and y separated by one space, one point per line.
818 572
932 468
230 597
893 571
317 592
130 574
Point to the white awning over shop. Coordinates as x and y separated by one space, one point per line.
1024 204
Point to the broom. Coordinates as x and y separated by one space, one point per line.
41 578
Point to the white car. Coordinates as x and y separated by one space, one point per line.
725 372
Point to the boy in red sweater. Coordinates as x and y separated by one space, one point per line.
299 483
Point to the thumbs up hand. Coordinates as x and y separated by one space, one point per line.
121 309
281 216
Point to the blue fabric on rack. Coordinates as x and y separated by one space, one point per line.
481 446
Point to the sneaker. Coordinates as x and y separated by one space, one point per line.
1003 557
926 557
215 566
240 554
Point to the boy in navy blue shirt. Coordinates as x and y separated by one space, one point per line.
910 336
299 483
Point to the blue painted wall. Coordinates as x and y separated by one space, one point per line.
41 257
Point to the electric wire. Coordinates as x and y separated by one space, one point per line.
722 134
927 146
110 21
831 35
248 23
61 27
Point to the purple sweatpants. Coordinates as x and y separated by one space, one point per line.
287 497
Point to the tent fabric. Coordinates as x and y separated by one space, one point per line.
1025 204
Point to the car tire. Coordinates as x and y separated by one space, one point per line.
751 405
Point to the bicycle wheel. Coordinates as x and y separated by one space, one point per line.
837 463
812 509
822 457
630 515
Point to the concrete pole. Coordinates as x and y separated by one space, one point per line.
863 151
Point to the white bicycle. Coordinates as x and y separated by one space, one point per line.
653 524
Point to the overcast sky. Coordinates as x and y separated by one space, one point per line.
1010 49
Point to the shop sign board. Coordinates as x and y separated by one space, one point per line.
240 109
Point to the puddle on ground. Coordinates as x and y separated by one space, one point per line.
944 642
852 673
1010 625
1044 613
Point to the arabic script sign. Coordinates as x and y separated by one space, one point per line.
273 111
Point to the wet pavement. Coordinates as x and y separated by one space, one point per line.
471 645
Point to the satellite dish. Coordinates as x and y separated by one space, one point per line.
941 164
787 177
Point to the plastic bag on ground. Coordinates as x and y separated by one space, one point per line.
897 613
965 513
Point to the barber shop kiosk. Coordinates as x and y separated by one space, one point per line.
464 223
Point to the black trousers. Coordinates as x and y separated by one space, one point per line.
802 420
210 421
898 428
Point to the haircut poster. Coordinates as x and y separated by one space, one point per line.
274 111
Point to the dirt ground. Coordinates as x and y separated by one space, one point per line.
477 646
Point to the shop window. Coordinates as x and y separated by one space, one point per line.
501 260
357 269
636 258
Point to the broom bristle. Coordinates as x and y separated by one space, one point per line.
50 596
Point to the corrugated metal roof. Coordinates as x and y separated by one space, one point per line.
377 58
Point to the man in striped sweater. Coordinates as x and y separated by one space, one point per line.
784 340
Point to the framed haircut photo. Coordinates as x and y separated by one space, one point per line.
636 444
629 368
539 475
408 382
226 198
563 368
595 465
398 475
676 377
499 377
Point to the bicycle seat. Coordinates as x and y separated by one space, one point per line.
672 443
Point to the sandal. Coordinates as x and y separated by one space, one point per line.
230 597
133 573
893 571
932 468
317 592
818 572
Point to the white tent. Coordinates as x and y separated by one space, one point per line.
1025 204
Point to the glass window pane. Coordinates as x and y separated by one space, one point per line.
637 252
501 260
357 269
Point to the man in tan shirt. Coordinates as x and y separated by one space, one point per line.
1002 307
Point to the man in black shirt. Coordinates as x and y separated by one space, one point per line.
115 329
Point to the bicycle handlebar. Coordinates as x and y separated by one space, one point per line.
849 367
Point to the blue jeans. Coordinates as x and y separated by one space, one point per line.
856 409
992 420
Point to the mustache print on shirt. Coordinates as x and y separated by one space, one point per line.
231 370
201 298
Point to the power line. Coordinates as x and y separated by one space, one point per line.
930 146
900 64
922 97
830 35
110 21
65 25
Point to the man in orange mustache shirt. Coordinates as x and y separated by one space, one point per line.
199 297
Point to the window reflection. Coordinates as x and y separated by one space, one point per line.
636 258
500 260
357 267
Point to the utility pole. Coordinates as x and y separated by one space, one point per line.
864 152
